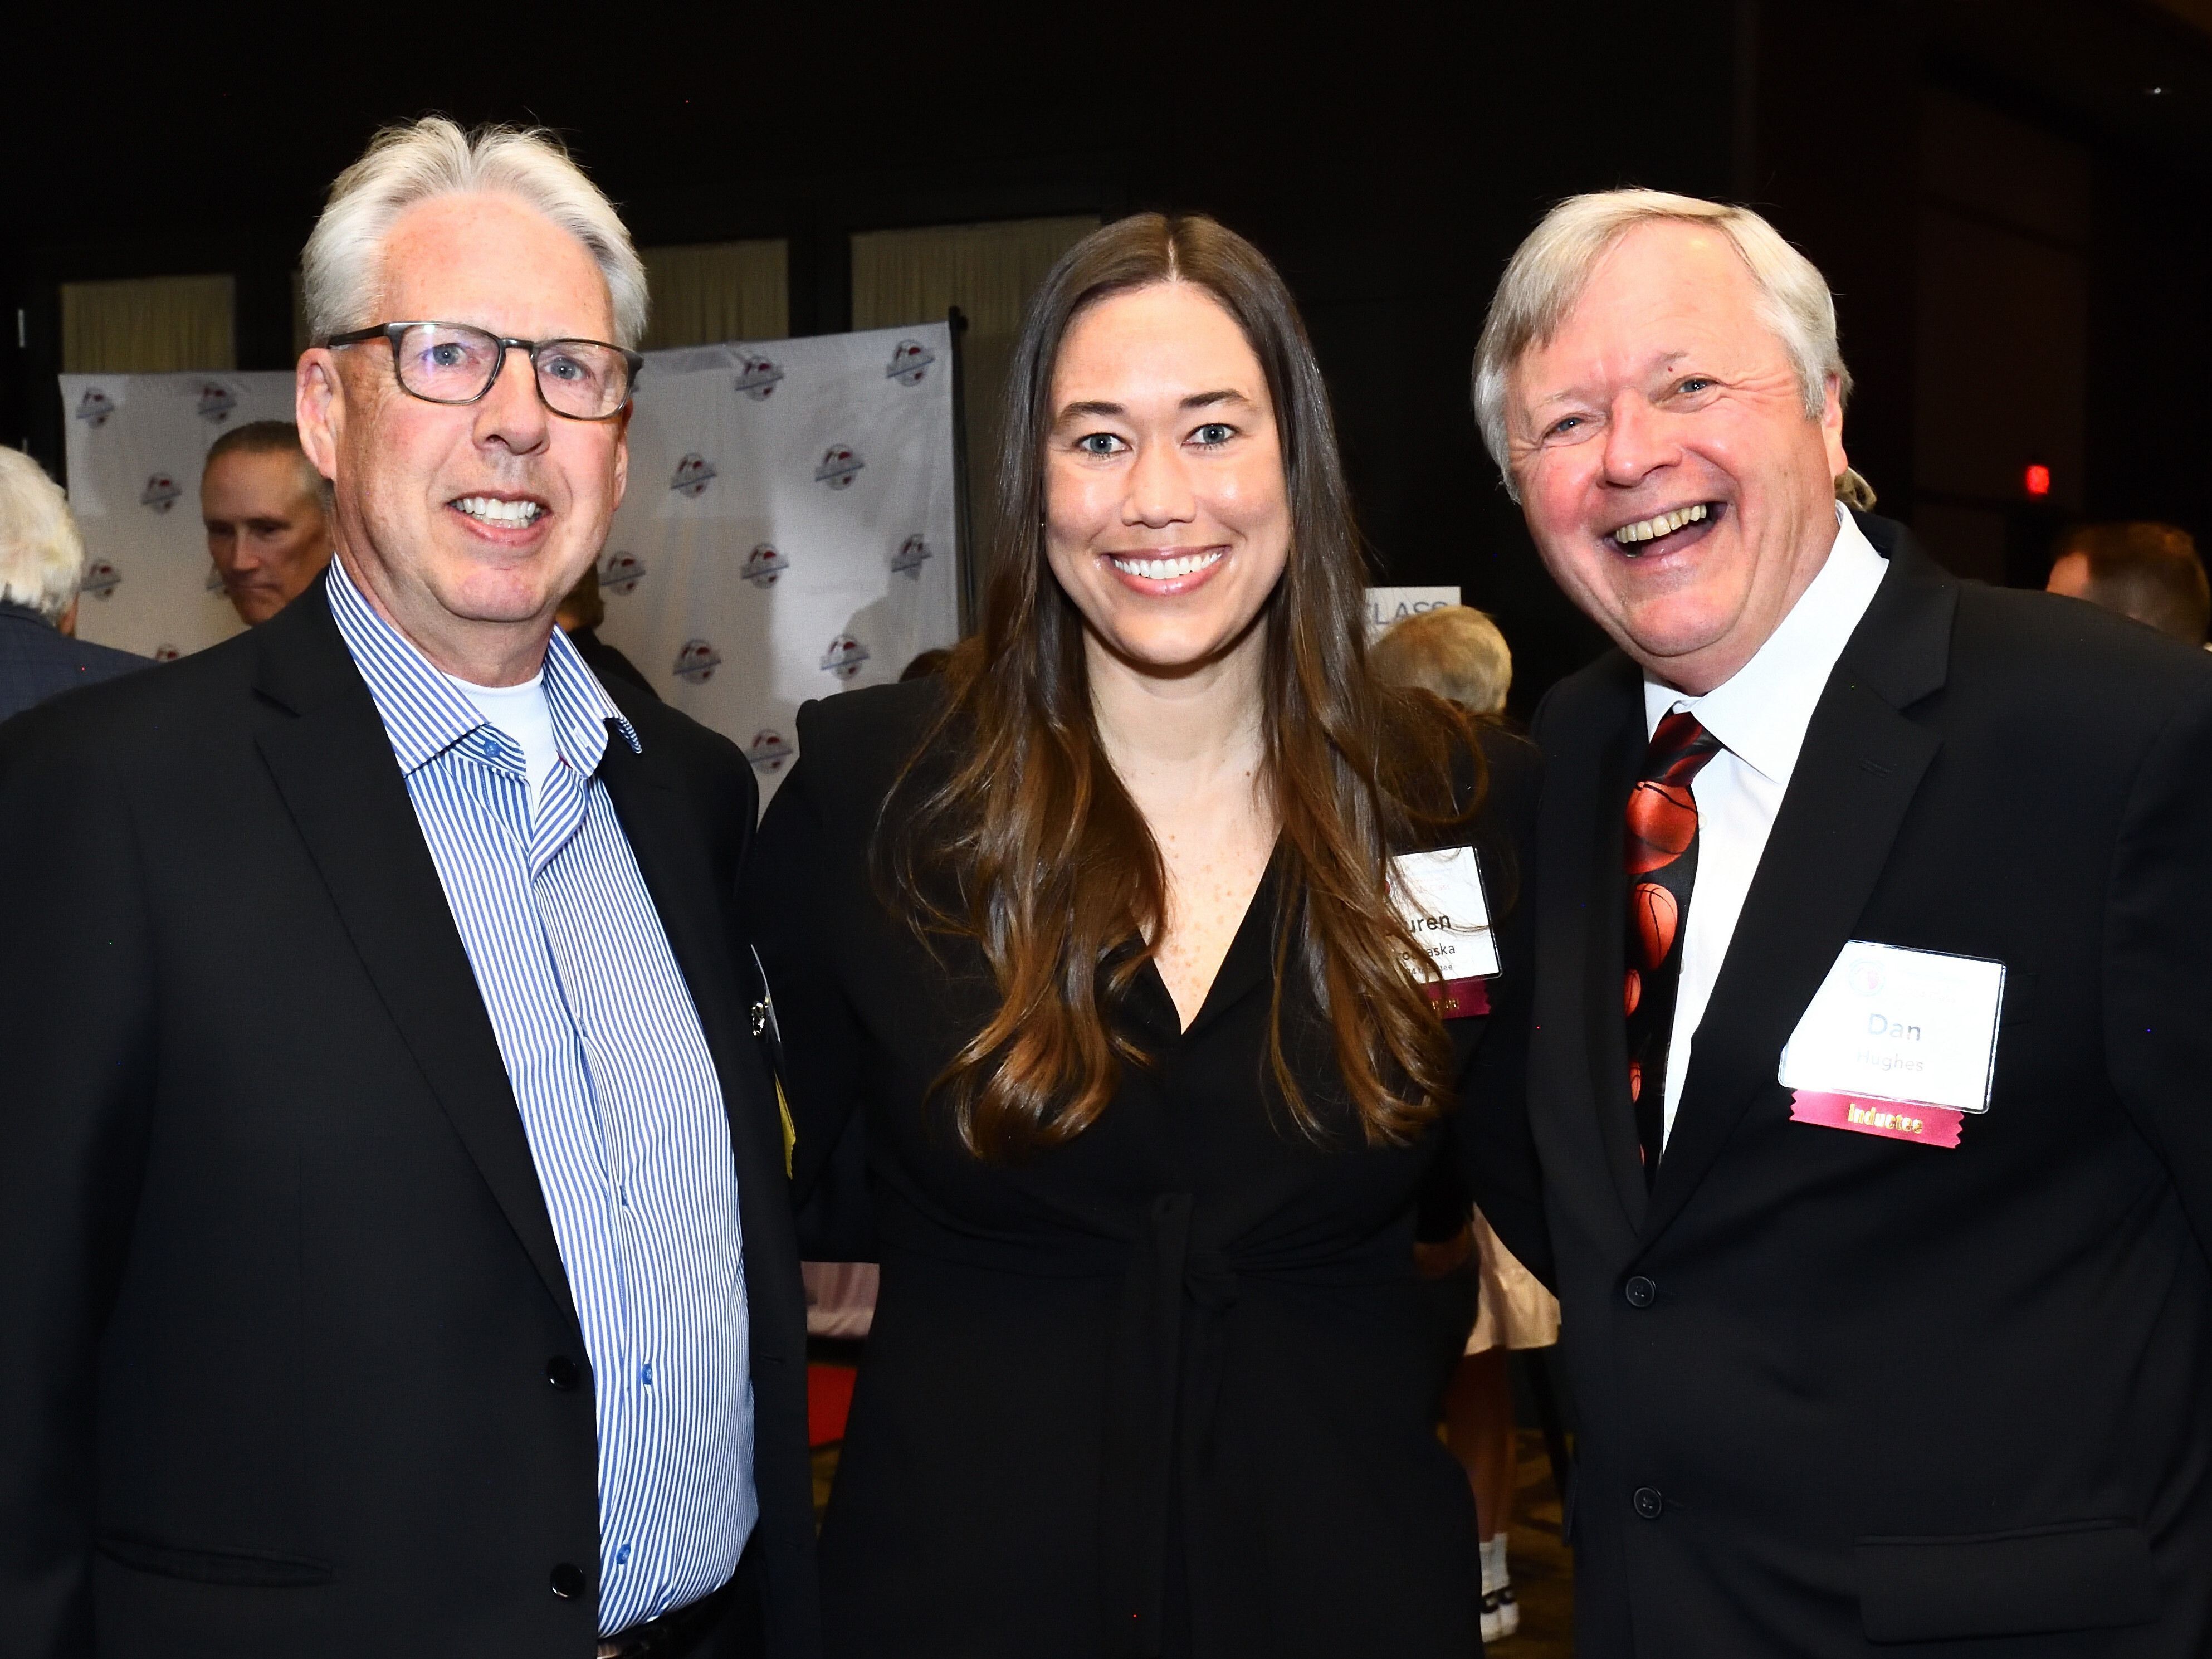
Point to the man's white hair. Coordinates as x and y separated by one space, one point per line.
433 157
41 552
1550 269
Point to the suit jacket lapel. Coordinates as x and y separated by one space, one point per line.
1861 765
1606 962
679 873
678 868
1582 911
334 767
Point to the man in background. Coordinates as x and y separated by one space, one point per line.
2146 571
267 527
579 617
41 564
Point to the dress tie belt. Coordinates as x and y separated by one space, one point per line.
1145 1389
1165 1371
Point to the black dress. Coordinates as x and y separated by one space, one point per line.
1167 1388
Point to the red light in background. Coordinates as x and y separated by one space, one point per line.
2037 479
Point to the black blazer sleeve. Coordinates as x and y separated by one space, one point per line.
76 1025
1491 1130
2158 955
795 886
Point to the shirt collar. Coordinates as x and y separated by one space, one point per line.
1760 712
424 715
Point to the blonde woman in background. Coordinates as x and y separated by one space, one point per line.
1458 653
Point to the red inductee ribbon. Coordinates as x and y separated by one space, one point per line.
1929 1125
1458 999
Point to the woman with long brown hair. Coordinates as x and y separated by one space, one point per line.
1145 946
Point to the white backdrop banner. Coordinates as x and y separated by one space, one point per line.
788 530
137 443
789 527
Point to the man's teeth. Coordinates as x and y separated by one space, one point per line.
494 511
1163 570
1666 524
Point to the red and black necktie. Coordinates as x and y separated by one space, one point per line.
1661 852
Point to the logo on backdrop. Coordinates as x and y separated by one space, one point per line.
767 752
101 579
840 466
216 401
95 407
763 565
693 474
696 662
213 582
621 573
758 378
160 492
844 657
913 553
909 362
166 653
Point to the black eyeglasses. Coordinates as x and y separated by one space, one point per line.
456 364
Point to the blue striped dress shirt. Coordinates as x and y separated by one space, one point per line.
619 1100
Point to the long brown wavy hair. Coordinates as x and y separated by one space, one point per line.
1010 827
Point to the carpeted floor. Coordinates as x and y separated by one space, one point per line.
1543 1573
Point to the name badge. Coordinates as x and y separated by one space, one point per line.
1897 1042
1439 898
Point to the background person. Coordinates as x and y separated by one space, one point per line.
1854 1366
267 516
41 564
581 614
2150 572
1459 653
441 1295
1148 1372
1454 651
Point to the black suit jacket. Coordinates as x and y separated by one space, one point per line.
1836 1390
38 660
288 1345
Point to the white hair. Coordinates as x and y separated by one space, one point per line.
41 552
1550 269
433 157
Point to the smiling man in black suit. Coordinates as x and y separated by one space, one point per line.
439 1296
1871 1081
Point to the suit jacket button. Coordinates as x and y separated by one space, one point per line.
562 1372
1648 1502
1640 1291
568 1581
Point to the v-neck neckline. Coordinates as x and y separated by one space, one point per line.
1246 961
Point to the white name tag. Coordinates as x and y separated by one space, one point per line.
1439 898
1894 1024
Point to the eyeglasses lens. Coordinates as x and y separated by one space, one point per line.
450 364
582 377
444 364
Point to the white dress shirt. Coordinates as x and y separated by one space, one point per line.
1759 714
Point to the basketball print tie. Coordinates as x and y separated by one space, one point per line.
1661 852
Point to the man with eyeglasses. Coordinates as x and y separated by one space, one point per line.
441 1296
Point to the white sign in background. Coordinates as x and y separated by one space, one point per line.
788 530
1388 605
